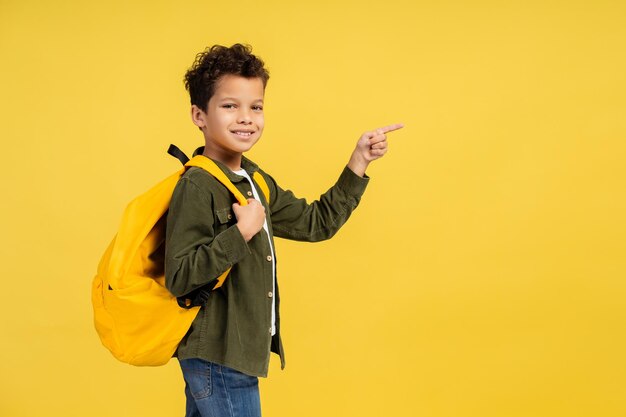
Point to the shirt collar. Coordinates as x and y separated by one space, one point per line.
249 166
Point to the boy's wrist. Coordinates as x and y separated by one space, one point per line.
358 164
243 233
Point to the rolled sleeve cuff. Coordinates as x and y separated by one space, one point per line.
352 183
235 246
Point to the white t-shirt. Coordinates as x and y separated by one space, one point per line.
244 174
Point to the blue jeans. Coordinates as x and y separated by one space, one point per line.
214 390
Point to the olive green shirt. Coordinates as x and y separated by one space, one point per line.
233 327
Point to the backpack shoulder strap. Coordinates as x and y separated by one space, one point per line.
205 163
208 165
260 180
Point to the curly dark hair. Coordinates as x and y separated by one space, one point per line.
217 61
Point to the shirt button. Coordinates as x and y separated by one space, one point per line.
270 294
230 216
249 193
269 258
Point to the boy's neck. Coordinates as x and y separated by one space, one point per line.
231 160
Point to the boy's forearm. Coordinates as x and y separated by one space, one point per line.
185 272
295 219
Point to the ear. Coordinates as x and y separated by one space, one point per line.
198 116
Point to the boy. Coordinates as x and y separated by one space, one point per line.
228 345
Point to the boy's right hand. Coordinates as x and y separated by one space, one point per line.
250 218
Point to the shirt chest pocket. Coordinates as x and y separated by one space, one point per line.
224 217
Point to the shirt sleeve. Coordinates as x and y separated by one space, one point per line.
194 255
295 219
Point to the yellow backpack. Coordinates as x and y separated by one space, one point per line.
136 317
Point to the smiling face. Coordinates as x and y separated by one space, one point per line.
233 121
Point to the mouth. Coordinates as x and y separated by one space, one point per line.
242 133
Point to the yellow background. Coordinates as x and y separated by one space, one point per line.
484 272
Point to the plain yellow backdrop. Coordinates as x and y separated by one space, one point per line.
483 273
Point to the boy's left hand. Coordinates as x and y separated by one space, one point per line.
371 146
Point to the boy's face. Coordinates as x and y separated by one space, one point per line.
234 120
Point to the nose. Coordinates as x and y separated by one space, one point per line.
244 116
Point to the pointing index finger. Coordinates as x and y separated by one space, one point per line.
391 128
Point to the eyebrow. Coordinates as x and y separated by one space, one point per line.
234 99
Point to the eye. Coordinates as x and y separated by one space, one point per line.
228 106
258 108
